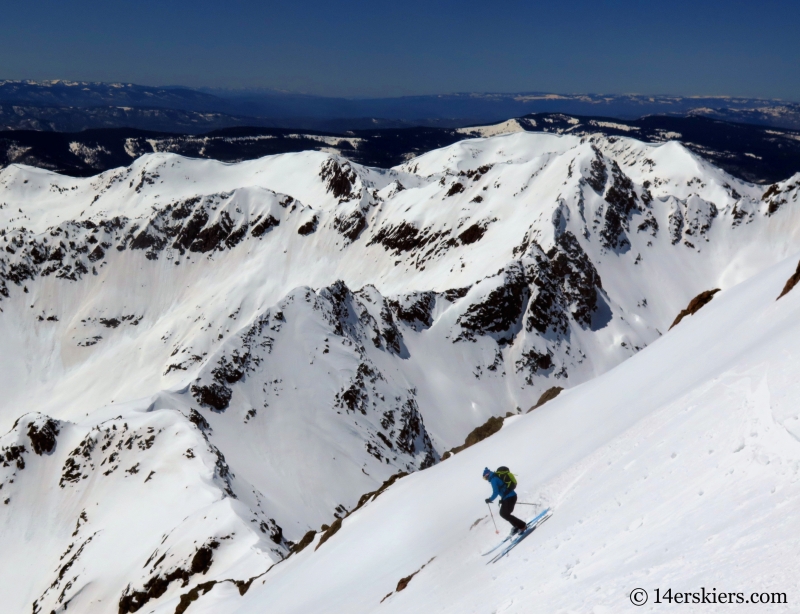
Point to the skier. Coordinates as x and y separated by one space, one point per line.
503 484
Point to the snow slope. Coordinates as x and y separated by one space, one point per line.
509 126
678 469
273 339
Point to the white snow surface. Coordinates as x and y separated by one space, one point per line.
509 126
203 361
679 469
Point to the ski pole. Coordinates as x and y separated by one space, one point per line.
493 522
521 503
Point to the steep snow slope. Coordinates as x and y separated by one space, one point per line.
304 328
678 469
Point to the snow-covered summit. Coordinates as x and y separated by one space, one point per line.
308 328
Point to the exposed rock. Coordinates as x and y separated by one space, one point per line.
309 227
147 239
184 208
213 236
402 238
416 309
791 282
476 173
351 226
340 179
548 395
305 541
534 362
355 397
264 225
189 232
215 395
700 214
193 595
335 526
198 420
133 600
547 309
412 438
455 294
698 302
597 173
371 496
676 224
43 436
472 234
96 254
487 429
774 198
231 371
13 455
578 276
456 188
622 202
500 310
403 582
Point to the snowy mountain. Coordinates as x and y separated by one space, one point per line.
204 363
754 153
676 470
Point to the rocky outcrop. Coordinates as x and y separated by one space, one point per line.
478 434
579 279
43 434
415 309
621 203
697 303
133 600
549 289
340 179
548 395
499 311
791 282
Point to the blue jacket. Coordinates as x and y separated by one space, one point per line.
499 488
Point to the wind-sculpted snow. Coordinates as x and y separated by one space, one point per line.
275 338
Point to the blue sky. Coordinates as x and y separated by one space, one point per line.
372 48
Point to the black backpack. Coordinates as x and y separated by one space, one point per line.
509 481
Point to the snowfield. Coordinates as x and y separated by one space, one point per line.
678 469
205 366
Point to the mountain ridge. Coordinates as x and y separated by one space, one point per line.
48 105
297 329
750 152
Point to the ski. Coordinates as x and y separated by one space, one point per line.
544 515
497 546
508 537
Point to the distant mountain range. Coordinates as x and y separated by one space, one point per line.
73 106
754 153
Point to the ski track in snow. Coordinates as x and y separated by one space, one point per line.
203 361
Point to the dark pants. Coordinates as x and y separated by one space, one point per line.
506 507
